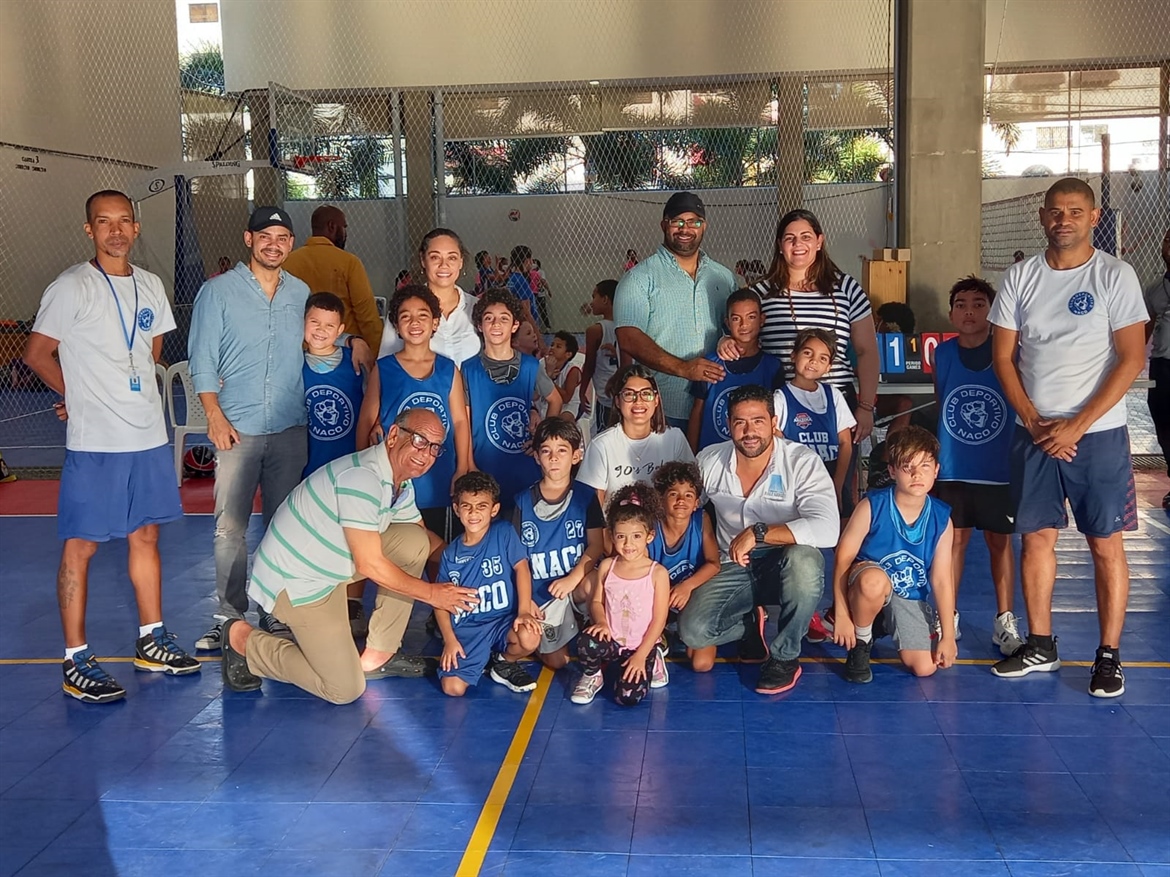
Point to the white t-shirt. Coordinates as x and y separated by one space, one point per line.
815 402
79 311
605 366
1066 320
574 404
455 338
614 460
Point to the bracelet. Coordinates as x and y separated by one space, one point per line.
865 406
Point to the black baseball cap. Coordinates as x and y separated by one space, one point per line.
684 202
266 217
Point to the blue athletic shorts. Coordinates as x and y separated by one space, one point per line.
108 496
1097 484
479 641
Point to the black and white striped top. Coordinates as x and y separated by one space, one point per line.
789 312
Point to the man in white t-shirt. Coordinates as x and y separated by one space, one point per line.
1068 342
775 508
105 320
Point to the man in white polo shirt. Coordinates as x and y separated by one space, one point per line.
354 516
105 320
1068 342
775 507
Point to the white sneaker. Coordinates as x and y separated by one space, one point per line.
1006 633
587 687
660 677
958 633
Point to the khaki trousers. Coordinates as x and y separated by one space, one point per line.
324 660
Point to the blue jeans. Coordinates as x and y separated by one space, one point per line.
271 462
792 576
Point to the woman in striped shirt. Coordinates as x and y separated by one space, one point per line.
803 289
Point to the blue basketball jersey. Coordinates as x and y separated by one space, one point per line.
807 427
400 391
333 400
486 567
975 421
554 547
499 424
760 370
682 559
904 551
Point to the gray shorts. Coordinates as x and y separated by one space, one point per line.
909 622
560 628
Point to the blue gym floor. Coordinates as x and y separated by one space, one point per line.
959 774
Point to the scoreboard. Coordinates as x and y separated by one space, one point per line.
909 359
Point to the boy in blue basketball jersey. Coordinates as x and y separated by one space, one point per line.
894 553
333 391
708 421
561 524
501 384
975 428
503 627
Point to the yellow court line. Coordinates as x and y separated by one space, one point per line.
489 816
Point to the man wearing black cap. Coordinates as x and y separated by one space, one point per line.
668 308
247 328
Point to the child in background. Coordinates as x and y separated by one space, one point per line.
639 443
601 356
563 365
893 554
630 600
416 377
561 524
816 414
333 391
503 626
500 385
976 425
745 317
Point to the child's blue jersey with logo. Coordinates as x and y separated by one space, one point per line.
555 546
333 400
686 556
975 421
499 423
904 551
487 567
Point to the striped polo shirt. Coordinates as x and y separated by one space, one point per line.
304 551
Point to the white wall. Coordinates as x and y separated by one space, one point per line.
1060 31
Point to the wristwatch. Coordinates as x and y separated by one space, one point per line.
760 531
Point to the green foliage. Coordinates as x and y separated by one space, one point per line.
202 70
621 160
843 157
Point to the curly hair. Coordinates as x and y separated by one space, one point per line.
497 295
475 482
678 472
413 290
634 502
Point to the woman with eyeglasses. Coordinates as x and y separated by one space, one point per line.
803 289
639 443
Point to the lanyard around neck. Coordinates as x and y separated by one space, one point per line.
131 333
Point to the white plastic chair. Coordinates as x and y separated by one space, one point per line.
380 302
196 421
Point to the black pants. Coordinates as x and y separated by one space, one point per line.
1158 398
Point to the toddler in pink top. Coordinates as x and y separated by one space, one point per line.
631 598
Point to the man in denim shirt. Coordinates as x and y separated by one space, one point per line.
245 354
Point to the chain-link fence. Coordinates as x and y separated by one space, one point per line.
498 130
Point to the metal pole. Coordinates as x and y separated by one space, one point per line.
440 168
1163 133
399 179
901 121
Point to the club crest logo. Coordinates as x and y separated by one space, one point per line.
431 402
507 425
802 420
974 415
907 574
145 319
529 535
719 414
1081 303
332 413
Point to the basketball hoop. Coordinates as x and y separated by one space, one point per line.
301 162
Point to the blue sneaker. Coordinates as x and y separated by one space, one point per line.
87 681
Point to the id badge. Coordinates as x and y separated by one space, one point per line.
776 486
135 382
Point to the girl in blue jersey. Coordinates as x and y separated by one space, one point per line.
333 390
814 413
501 384
893 554
416 377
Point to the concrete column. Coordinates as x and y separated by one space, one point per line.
267 183
420 166
790 168
939 146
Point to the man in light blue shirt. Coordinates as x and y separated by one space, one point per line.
668 308
245 356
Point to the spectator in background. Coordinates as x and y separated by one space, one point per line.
403 279
1158 396
484 273
542 292
601 355
324 265
521 287
225 264
631 260
1018 256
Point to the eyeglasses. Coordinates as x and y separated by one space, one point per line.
680 224
420 442
646 395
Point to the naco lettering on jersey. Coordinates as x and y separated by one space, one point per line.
556 563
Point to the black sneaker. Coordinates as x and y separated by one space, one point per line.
1028 658
1108 680
359 625
87 681
857 668
157 652
511 675
753 648
269 623
777 676
400 666
210 641
234 668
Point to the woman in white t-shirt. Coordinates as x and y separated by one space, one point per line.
640 442
441 257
